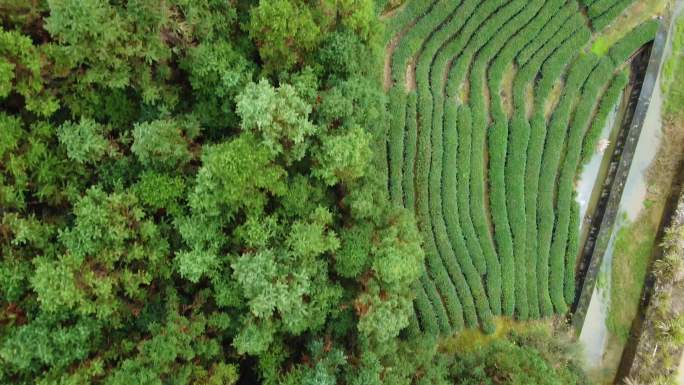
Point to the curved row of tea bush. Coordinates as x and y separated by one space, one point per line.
495 139
410 44
553 150
403 151
438 70
441 61
449 191
476 193
608 104
573 35
472 289
631 42
537 15
494 108
582 115
555 43
450 283
427 181
484 16
603 12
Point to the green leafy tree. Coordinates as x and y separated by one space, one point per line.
217 73
164 142
85 141
20 71
287 290
236 176
279 117
112 255
92 56
343 158
285 32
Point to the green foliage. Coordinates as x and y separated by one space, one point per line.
608 103
197 192
411 138
217 74
94 36
559 259
343 158
113 253
519 135
508 246
555 141
531 357
275 284
672 70
284 31
343 54
550 70
20 71
636 38
236 176
163 142
603 12
40 344
239 233
160 191
85 141
278 116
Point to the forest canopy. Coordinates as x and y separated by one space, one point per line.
187 195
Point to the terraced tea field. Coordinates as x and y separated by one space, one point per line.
495 106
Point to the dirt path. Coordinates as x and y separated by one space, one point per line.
389 52
392 12
410 83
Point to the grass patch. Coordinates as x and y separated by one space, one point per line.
635 241
633 16
631 257
674 70
601 46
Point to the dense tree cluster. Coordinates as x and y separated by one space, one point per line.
189 195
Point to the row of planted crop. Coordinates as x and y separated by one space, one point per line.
603 12
460 65
524 75
478 244
618 54
423 19
471 194
552 60
497 155
449 187
558 231
536 16
406 17
553 150
450 175
428 19
497 140
429 178
558 41
420 75
591 91
450 231
609 100
436 264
